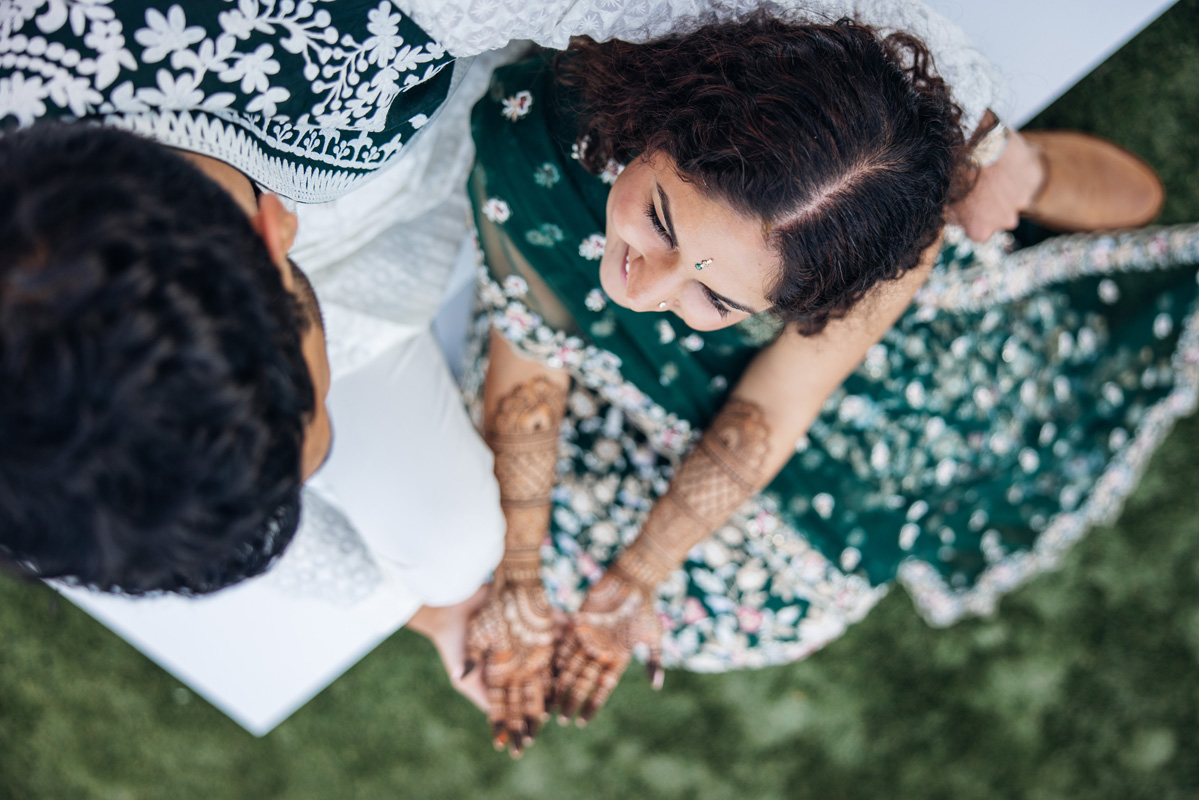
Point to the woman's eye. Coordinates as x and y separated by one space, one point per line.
652 213
717 304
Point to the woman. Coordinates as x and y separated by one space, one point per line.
780 202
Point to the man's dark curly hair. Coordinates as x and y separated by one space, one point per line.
842 142
153 393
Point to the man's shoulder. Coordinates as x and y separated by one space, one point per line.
306 98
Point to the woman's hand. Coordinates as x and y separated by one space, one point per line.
1002 191
617 615
512 638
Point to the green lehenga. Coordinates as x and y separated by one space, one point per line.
1013 406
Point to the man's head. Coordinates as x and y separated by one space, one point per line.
162 377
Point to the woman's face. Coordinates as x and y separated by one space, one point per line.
660 227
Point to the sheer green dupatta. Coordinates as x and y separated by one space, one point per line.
1043 380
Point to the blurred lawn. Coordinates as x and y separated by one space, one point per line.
1085 685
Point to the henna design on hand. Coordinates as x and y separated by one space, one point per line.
512 635
617 615
720 474
523 435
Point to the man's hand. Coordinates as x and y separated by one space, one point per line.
591 657
512 638
1002 192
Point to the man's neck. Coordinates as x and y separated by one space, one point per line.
231 180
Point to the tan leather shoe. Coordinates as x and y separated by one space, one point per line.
1091 184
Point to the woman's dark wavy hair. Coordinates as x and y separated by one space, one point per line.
153 393
843 142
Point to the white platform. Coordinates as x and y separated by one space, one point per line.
258 654
1043 47
253 652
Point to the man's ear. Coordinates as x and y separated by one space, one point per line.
276 225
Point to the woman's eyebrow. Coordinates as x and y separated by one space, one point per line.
666 215
732 304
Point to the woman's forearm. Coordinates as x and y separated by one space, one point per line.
523 406
724 470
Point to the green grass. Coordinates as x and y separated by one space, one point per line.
1085 685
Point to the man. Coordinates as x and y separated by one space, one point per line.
165 363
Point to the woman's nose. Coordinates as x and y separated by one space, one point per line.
652 281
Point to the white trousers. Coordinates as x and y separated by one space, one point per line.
412 476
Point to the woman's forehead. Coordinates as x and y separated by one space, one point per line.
738 247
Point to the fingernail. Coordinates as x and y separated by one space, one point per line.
659 679
582 723
498 745
563 719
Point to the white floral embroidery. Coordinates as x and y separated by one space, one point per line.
592 248
23 97
180 93
515 286
547 175
517 106
351 82
611 171
496 210
595 300
666 332
546 234
166 35
253 70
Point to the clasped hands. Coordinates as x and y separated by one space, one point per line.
534 661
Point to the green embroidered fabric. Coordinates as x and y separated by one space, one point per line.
1010 408
306 96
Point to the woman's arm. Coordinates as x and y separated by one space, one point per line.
746 445
512 635
1008 174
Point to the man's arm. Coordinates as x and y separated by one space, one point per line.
470 27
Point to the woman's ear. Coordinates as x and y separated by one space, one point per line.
277 226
